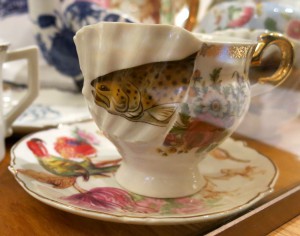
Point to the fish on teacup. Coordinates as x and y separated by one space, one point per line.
148 93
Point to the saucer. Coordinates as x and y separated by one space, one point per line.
236 178
52 108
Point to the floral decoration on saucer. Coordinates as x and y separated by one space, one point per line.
72 168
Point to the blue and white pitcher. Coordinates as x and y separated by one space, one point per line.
57 21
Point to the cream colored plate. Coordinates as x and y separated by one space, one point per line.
237 177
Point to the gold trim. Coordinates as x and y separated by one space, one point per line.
287 57
232 51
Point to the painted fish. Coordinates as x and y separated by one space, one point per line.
148 93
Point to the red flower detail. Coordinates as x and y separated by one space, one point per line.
244 18
37 147
201 134
173 140
293 29
71 147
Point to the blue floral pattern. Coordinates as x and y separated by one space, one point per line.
56 32
12 7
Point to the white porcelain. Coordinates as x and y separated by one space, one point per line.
167 99
6 119
63 108
237 177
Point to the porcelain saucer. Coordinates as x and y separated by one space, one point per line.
52 108
72 168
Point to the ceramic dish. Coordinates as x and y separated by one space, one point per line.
51 108
278 16
72 169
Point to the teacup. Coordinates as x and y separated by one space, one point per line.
55 24
6 120
167 99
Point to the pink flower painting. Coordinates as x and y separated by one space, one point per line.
243 18
293 29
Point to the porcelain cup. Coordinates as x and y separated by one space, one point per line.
55 23
167 99
6 120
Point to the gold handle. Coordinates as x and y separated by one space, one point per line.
191 21
287 57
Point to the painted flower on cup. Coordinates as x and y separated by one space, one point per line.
293 29
201 135
209 116
173 139
213 102
242 18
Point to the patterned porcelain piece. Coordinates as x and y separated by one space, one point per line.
167 99
56 22
73 169
278 16
12 7
63 108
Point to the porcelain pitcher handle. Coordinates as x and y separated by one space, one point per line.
31 55
287 58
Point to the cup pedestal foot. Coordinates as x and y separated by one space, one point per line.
170 183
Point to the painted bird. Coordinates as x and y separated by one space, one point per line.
69 168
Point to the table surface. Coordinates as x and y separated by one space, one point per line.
22 214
